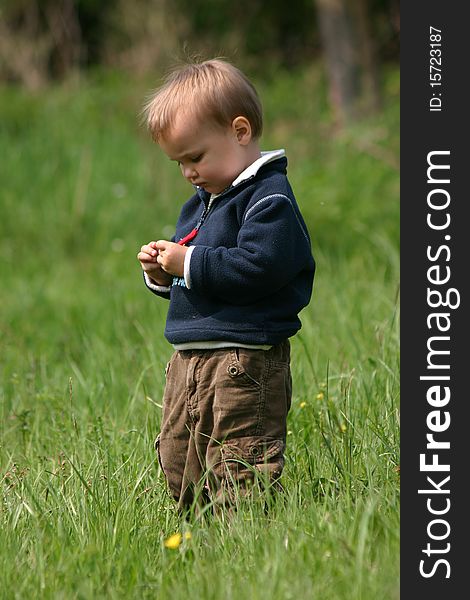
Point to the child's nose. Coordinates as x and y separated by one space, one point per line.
189 172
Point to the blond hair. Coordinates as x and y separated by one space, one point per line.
213 89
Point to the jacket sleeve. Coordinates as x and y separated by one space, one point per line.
273 246
159 290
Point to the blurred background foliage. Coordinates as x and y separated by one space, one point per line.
48 40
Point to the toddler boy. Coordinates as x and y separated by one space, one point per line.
237 272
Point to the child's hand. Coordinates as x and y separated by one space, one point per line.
148 259
171 257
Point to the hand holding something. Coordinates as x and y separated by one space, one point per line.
171 257
147 257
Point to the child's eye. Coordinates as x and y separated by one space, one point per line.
193 159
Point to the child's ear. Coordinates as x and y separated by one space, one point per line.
242 130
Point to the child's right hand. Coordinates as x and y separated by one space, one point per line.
148 260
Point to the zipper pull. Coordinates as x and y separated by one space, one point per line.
194 232
189 237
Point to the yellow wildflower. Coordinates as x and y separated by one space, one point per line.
343 427
303 404
320 396
174 541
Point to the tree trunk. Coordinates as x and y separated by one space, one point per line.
370 100
338 48
349 58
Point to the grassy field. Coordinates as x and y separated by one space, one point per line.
84 512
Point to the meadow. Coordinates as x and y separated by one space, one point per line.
84 512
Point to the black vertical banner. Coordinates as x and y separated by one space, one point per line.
435 268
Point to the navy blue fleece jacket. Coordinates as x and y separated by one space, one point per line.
251 270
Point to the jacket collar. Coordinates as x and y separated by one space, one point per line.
252 170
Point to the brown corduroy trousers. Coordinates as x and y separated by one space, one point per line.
224 421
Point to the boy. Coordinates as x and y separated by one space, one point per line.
237 272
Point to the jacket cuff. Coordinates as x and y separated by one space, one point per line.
160 289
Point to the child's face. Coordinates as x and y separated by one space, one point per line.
208 155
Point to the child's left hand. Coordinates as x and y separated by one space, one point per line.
171 257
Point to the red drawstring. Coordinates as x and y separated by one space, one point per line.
194 232
188 237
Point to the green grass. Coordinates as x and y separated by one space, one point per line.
84 511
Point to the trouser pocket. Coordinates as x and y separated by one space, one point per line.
253 454
239 460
